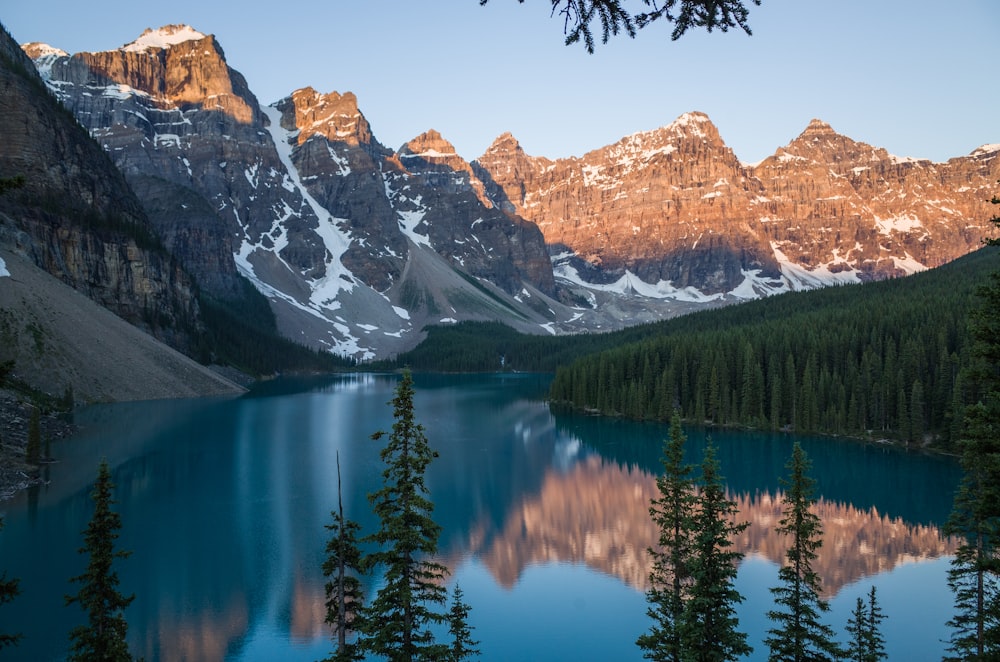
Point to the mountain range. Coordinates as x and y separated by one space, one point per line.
358 246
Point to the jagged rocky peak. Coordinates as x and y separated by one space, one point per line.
165 37
37 49
821 142
335 116
429 153
504 143
986 152
431 147
176 66
692 135
696 124
816 128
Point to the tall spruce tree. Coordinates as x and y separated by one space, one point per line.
974 576
103 637
670 576
865 642
710 625
799 635
9 590
463 646
342 567
397 623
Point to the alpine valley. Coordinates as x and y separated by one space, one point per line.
358 246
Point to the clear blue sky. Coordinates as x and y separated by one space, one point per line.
917 77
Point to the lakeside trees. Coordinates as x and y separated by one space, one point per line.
397 623
669 578
799 635
343 566
463 646
876 359
865 642
710 628
691 596
103 637
974 576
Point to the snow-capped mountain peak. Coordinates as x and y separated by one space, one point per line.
165 37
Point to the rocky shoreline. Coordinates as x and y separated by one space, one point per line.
15 473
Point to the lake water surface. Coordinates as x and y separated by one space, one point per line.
544 515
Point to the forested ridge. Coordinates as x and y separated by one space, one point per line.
880 359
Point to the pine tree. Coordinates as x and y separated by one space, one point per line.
344 597
876 643
856 627
974 576
103 638
9 590
799 634
670 576
396 624
463 646
710 623
866 643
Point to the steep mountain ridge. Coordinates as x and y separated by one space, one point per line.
307 204
625 208
75 217
358 246
902 214
676 209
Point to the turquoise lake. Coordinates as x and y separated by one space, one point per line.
544 515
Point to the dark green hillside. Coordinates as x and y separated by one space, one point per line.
882 358
241 332
492 346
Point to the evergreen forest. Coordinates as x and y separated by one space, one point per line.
882 359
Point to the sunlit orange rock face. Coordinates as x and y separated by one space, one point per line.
597 514
677 204
191 71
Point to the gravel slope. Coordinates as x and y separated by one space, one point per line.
58 338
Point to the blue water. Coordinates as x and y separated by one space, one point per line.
544 519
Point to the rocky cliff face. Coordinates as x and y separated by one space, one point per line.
833 203
180 123
358 246
75 216
675 209
298 197
659 205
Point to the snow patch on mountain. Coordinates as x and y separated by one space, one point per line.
986 149
802 278
906 223
44 56
755 286
408 219
408 222
336 277
3 269
631 285
909 264
165 37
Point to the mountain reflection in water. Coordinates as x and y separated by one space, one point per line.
597 513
